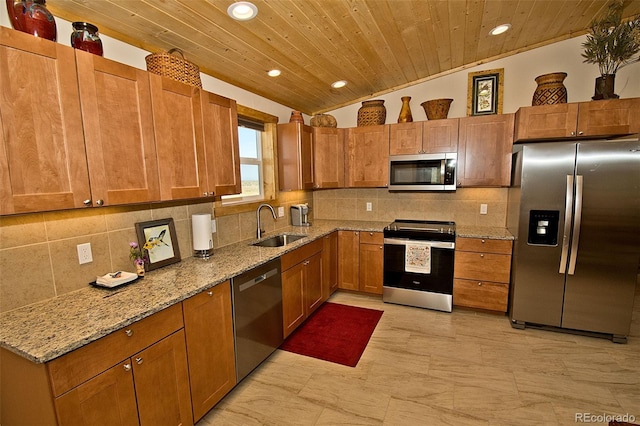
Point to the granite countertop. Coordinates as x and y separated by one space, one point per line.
46 330
489 232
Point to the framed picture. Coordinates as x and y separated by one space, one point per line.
484 95
159 239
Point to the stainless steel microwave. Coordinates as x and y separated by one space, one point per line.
423 172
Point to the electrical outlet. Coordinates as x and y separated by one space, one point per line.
280 211
483 209
369 207
213 226
84 253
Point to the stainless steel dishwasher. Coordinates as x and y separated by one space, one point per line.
257 316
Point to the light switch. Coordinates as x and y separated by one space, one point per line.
280 211
369 207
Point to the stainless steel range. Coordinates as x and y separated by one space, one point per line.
418 263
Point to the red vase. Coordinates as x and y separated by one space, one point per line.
85 37
33 17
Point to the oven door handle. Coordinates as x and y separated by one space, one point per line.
432 244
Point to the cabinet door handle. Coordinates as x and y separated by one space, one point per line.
580 133
371 234
210 293
139 360
482 241
127 367
573 133
306 262
482 255
99 202
355 233
380 247
128 332
87 203
480 283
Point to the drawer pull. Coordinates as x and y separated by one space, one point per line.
210 293
482 241
128 332
482 255
306 262
480 283
127 367
371 234
139 360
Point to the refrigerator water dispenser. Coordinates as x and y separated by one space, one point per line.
543 227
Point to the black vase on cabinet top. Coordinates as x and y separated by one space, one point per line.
85 37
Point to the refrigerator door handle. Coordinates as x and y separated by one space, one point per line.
577 214
568 212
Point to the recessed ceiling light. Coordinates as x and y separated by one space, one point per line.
338 84
500 29
274 73
242 10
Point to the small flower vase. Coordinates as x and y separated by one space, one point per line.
140 270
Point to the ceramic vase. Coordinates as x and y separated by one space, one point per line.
140 270
33 17
296 117
372 113
605 87
85 37
550 89
405 111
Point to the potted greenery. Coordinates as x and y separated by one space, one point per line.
612 45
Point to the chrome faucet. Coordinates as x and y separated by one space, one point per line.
273 212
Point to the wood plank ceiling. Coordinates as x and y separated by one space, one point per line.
377 46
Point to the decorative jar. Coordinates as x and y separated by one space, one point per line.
550 89
85 37
405 111
296 117
372 113
323 120
33 17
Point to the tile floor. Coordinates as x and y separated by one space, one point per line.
423 367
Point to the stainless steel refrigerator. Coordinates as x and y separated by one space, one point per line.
574 208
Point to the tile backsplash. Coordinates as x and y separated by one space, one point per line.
461 206
38 255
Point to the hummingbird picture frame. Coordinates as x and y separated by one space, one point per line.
158 238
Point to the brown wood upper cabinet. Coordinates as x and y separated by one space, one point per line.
485 145
220 121
328 157
367 159
295 156
177 116
583 120
118 131
42 161
423 137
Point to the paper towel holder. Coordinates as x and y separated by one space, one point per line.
202 238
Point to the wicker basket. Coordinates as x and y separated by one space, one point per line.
372 113
174 67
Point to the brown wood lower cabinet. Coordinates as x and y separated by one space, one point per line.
371 262
360 261
482 273
301 284
329 264
136 375
208 327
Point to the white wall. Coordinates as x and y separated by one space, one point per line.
133 56
520 72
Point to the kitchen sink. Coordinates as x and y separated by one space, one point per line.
278 240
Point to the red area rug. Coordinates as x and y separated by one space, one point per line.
335 332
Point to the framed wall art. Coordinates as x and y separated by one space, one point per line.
158 238
484 94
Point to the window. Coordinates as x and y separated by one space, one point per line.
251 170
